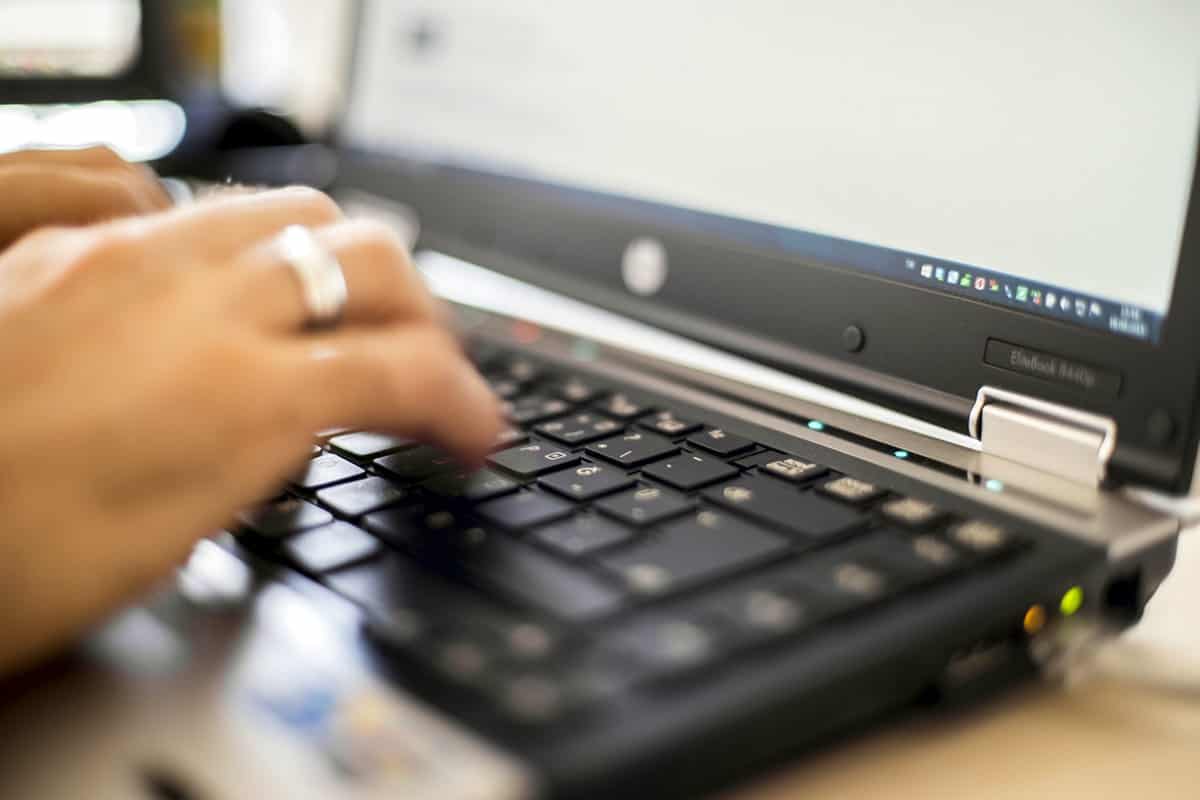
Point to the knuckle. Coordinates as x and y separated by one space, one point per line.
376 243
315 204
112 246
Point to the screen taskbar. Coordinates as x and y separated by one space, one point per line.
963 280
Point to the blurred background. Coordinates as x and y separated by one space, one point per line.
288 56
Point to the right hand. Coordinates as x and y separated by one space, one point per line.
156 377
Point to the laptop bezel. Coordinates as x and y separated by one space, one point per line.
793 313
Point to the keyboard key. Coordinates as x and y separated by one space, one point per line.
474 487
369 445
852 490
720 442
587 482
982 538
525 510
689 471
364 496
775 503
912 558
701 547
331 547
531 698
521 370
417 465
533 459
793 470
666 423
668 645
633 449
623 407
911 512
326 470
579 429
574 390
285 517
844 580
535 408
647 505
758 459
583 535
508 438
757 612
526 576
504 388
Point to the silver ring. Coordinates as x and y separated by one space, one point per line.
321 276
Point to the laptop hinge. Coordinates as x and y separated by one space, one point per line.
1063 441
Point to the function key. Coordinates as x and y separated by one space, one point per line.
535 408
326 470
283 517
852 490
793 469
574 390
534 459
669 645
580 429
982 538
418 464
474 487
362 497
331 547
582 535
645 506
633 449
911 512
369 445
721 442
689 471
587 482
525 510
763 610
624 407
666 423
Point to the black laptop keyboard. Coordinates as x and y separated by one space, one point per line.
611 543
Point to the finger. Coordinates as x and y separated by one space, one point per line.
382 284
411 380
224 226
71 195
98 156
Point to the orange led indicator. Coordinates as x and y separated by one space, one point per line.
1035 619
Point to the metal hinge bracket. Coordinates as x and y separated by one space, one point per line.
1060 440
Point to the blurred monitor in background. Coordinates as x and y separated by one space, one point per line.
69 38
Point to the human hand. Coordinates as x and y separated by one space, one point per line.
156 376
72 187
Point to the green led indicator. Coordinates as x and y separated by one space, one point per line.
1071 601
816 426
994 485
900 454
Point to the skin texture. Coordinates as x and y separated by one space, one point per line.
156 376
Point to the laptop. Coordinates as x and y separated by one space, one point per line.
849 355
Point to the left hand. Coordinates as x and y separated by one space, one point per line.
44 188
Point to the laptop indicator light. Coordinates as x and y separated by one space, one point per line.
816 426
1072 601
900 454
1035 619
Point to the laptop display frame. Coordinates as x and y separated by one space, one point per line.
922 352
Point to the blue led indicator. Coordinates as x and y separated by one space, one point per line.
901 454
993 485
816 426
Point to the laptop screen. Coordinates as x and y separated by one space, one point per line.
1033 154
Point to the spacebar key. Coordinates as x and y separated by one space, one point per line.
530 578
